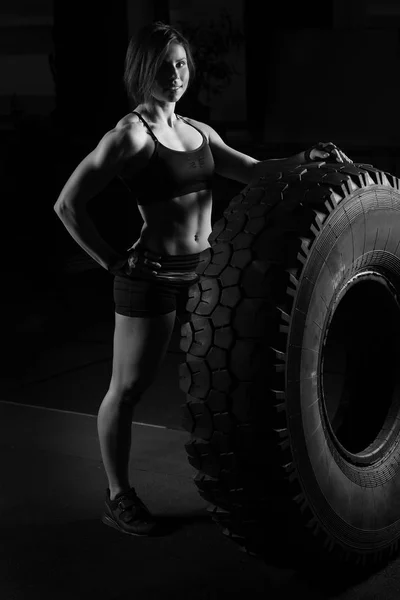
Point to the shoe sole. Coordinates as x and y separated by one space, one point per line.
111 523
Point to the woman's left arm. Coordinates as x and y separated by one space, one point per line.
241 167
321 151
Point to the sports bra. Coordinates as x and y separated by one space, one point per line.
170 173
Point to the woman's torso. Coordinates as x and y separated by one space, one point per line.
177 225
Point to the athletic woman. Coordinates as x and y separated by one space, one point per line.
167 162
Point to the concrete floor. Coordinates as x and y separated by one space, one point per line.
53 544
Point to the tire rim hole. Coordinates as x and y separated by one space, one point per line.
360 367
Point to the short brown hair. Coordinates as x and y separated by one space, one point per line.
145 53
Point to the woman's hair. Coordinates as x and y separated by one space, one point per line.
145 54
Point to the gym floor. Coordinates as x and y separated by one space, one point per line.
55 372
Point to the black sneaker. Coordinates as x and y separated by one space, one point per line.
127 513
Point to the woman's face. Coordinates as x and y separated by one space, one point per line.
173 75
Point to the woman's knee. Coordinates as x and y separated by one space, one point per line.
129 392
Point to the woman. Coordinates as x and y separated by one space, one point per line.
167 162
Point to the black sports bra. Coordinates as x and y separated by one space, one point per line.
170 173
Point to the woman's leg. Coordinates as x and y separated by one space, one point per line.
140 345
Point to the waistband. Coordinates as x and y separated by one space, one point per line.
170 262
181 267
183 261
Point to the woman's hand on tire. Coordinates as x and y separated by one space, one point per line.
326 150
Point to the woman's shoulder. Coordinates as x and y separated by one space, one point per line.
206 129
131 132
128 119
130 123
193 121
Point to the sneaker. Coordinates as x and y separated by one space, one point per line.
127 513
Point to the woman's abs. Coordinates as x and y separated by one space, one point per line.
173 244
166 233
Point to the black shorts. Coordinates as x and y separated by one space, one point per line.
144 295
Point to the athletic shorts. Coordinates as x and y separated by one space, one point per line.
143 295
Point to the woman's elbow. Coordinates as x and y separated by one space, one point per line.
61 202
62 207
67 201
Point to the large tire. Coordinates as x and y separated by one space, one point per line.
291 370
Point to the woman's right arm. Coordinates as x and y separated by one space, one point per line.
90 177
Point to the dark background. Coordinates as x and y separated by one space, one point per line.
311 71
305 72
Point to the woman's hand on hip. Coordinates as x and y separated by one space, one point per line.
145 261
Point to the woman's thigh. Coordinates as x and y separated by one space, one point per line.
140 345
